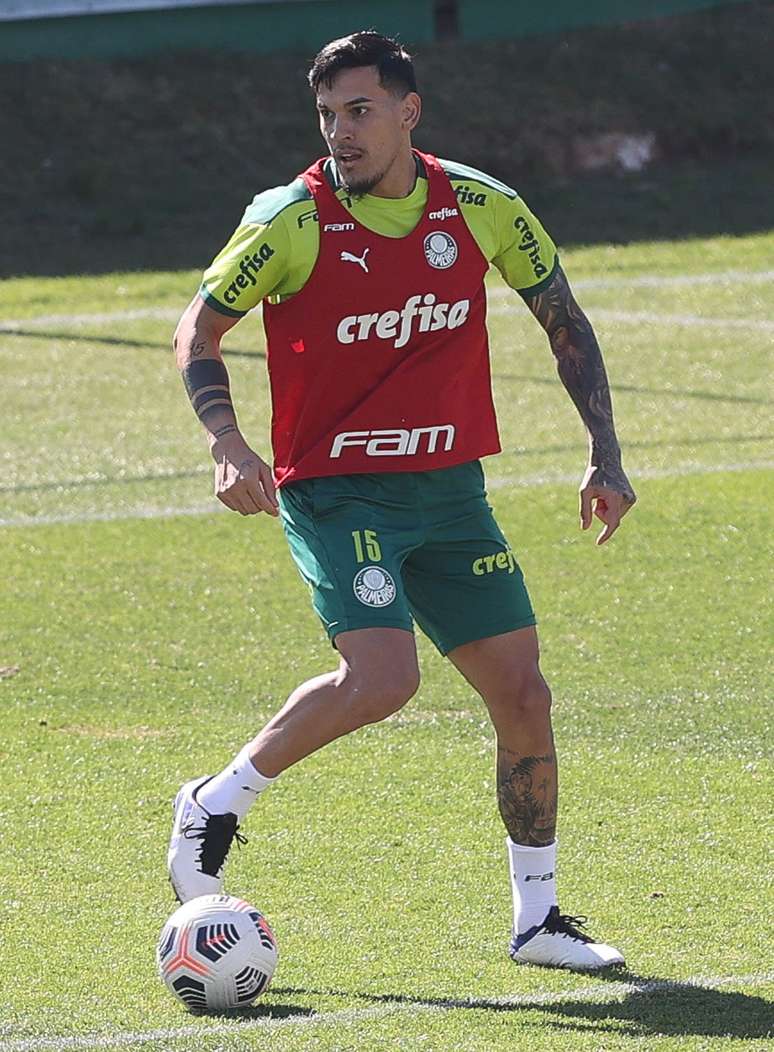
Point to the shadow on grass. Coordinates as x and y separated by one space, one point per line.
669 392
666 1007
116 341
233 352
669 443
107 480
168 476
261 1011
645 1006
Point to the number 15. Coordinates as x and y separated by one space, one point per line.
366 545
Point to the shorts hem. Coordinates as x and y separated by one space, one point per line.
357 625
484 633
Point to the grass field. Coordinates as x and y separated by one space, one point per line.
144 635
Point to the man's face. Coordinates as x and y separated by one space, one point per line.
364 125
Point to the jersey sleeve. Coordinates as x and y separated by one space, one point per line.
248 269
526 256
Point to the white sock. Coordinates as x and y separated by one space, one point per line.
533 881
235 789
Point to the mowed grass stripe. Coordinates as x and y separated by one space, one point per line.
499 309
11 325
641 317
493 483
728 277
73 393
598 994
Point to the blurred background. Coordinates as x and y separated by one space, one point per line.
134 133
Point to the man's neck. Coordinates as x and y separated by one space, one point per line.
401 178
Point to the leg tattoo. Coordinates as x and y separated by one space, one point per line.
527 796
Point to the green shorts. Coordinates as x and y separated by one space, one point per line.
384 550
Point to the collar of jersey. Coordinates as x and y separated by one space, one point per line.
410 203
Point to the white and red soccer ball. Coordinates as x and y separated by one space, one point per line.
216 953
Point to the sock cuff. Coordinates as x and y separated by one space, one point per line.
246 764
527 850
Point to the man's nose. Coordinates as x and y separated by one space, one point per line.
340 129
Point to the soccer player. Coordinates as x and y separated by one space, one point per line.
370 266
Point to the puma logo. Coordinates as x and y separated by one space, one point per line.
347 257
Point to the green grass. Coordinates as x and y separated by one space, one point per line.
149 649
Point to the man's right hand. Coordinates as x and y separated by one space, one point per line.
243 482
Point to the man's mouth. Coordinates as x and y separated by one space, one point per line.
347 157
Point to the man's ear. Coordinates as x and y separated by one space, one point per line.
411 111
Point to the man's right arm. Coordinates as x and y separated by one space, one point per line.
243 481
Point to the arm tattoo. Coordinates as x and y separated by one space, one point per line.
206 381
582 371
527 797
219 432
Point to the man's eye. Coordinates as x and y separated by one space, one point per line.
360 110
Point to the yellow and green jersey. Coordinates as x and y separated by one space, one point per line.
274 249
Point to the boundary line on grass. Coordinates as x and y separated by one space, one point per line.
141 512
728 277
644 317
658 281
98 318
492 483
496 310
600 994
559 478
634 317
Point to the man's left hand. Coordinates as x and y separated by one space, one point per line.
606 495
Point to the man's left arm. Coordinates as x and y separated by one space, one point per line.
605 491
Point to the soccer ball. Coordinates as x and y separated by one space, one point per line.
216 952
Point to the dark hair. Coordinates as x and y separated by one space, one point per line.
366 48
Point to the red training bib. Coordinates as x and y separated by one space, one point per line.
381 361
